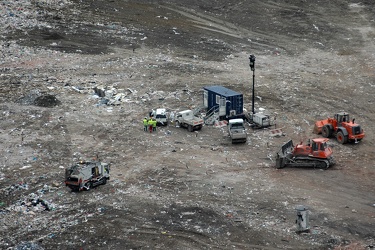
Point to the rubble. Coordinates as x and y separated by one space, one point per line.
28 246
46 101
65 99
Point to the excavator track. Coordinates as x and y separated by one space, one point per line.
305 162
308 162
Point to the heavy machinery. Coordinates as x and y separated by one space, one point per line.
85 174
340 127
315 154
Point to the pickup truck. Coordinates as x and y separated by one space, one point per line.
161 116
188 120
236 130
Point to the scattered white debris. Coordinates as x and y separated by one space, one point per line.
25 167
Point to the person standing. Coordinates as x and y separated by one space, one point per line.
154 123
150 125
145 124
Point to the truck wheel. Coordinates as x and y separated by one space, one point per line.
177 124
341 138
190 128
326 131
105 181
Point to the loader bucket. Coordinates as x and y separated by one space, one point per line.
319 125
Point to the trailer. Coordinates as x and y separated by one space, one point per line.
259 120
226 103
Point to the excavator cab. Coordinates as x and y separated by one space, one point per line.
320 149
342 117
319 145
315 148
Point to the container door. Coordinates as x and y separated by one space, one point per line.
222 107
205 98
239 104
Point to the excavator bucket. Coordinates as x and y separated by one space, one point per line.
319 125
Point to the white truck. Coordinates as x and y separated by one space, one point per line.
84 175
236 130
160 116
188 120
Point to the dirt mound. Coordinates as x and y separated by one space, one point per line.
36 98
47 101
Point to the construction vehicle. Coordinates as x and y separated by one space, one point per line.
85 175
340 127
315 154
188 120
236 130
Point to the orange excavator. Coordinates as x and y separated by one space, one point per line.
315 153
340 127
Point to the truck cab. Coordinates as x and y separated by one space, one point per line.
160 116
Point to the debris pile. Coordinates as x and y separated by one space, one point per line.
33 202
46 101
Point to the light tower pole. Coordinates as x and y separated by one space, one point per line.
252 67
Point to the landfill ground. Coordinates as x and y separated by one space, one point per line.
175 189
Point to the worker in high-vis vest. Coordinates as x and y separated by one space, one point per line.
145 124
154 123
150 124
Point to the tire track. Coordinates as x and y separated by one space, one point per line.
219 26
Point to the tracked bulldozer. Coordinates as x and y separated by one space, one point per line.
315 154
